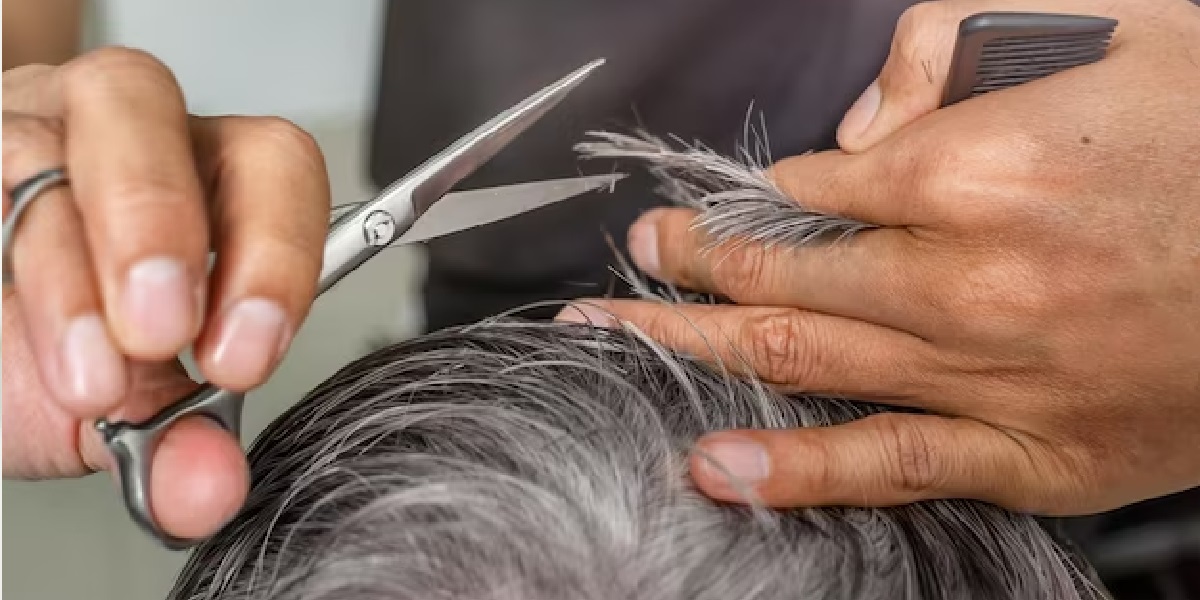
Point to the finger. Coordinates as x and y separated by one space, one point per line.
39 437
135 181
864 277
882 187
199 475
272 212
913 78
793 348
76 356
882 460
33 90
200 479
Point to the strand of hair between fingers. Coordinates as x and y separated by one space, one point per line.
737 201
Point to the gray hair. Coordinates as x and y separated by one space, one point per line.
527 461
517 460
736 199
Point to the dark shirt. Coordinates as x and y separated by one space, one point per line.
686 67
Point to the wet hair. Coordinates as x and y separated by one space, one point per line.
543 461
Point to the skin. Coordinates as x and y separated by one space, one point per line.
110 273
1035 284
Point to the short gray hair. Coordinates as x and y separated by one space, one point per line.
528 461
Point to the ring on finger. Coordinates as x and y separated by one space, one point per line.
23 194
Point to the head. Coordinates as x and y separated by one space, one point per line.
522 460
526 461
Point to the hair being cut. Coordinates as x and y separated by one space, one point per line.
530 461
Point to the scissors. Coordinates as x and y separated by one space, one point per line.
355 237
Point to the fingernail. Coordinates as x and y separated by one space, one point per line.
160 306
254 335
643 243
585 313
93 370
735 462
860 116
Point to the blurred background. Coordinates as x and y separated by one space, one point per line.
73 539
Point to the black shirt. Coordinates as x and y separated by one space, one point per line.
685 67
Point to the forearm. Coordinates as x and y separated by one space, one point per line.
41 31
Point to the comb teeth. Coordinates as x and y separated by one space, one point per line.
1008 61
999 50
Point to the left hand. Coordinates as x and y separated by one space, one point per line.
1035 284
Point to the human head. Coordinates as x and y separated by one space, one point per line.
521 460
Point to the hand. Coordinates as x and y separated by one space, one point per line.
1035 285
111 277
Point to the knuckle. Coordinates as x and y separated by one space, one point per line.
663 325
776 342
912 464
109 66
998 299
147 202
33 89
26 134
934 172
956 179
28 128
279 134
740 270
25 79
913 29
783 173
24 72
251 139
820 474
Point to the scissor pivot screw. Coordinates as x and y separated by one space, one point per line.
379 228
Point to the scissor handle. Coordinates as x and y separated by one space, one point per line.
359 235
133 445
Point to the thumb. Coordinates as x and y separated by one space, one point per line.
882 460
911 82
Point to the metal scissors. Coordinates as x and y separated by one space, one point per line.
354 238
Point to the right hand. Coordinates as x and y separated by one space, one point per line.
111 278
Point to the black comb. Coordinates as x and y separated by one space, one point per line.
998 50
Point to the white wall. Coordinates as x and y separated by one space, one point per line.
303 59
313 61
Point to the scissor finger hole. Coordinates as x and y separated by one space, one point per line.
182 482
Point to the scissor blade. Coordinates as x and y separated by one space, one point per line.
442 172
375 224
460 211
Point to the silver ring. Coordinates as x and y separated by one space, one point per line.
22 196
